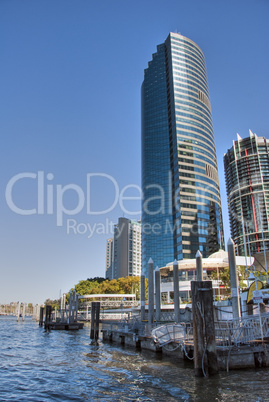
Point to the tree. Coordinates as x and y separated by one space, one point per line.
128 285
84 287
224 276
96 279
53 303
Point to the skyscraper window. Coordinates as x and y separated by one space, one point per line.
179 165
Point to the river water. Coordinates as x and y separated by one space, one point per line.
62 366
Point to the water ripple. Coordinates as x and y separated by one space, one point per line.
62 366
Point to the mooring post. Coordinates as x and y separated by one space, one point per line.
205 352
64 307
176 292
61 308
198 328
234 280
23 310
142 296
95 318
73 305
93 308
47 317
199 266
70 307
158 293
76 310
212 358
150 292
41 315
18 311
35 310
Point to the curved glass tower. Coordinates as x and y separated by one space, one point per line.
246 167
181 208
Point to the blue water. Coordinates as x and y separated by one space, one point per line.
62 366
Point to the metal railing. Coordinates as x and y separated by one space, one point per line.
133 325
229 333
241 331
113 303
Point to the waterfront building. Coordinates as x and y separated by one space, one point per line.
246 167
126 254
109 257
181 207
187 271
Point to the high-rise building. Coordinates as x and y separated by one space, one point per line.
181 208
126 249
109 257
246 167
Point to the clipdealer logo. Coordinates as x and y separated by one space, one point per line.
51 197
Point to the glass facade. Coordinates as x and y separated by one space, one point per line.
246 167
181 211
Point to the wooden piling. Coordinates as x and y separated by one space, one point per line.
70 308
95 319
23 311
205 352
18 311
76 307
41 315
73 307
47 317
199 266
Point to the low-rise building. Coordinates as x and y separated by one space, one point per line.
187 273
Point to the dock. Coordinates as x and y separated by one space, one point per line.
66 326
236 345
68 315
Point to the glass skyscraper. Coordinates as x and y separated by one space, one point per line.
246 167
181 208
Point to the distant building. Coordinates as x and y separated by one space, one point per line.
124 250
109 257
246 167
181 211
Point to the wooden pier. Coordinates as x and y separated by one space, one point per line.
254 354
68 315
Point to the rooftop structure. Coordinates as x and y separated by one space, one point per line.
187 273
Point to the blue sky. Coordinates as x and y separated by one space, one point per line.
71 73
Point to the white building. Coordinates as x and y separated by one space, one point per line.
109 257
124 250
187 273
